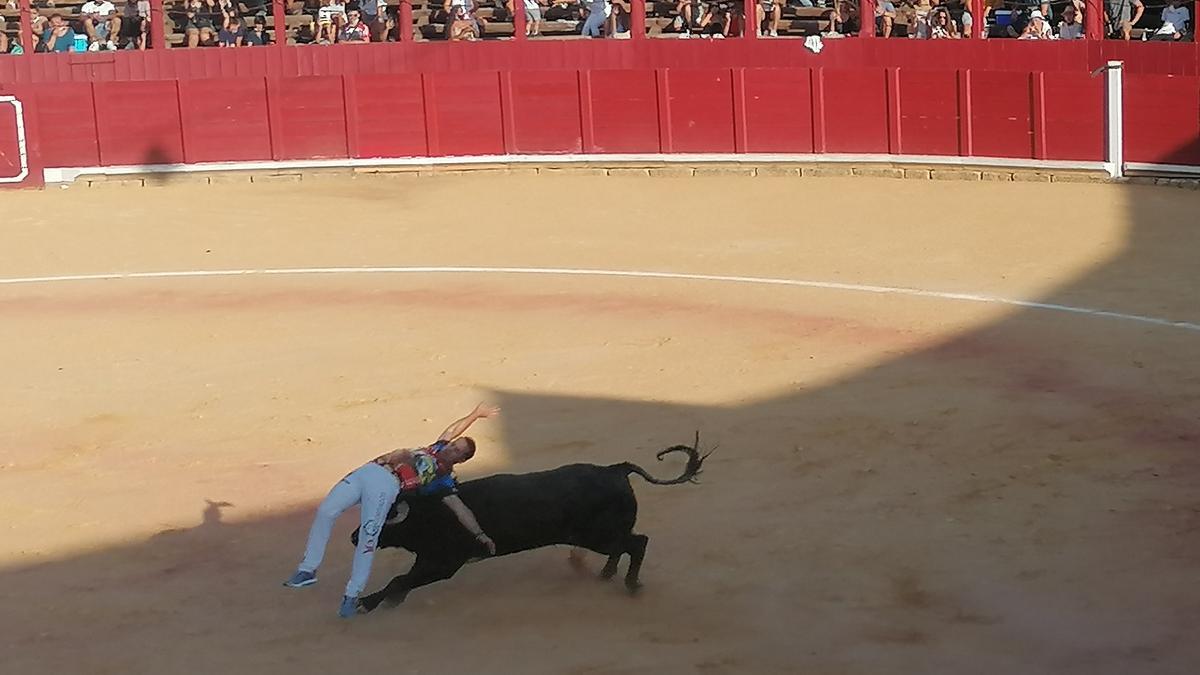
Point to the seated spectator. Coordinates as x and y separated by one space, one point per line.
621 20
597 16
1175 22
199 24
330 17
845 18
232 34
257 36
1070 28
354 31
688 14
58 36
717 19
941 26
563 10
135 24
1121 15
1038 28
885 18
5 46
461 24
101 23
765 8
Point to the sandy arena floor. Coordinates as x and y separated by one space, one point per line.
905 484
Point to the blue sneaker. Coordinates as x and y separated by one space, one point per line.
349 607
301 579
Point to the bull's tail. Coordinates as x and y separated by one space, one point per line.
694 462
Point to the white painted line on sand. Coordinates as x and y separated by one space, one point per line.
569 271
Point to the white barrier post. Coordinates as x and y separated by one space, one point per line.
22 150
1114 119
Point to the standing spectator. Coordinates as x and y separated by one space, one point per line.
135 24
354 31
765 8
233 34
374 14
533 18
257 36
58 36
101 22
597 15
1070 28
1175 22
1120 17
885 17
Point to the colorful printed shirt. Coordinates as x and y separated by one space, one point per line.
419 470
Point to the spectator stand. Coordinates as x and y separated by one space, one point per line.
296 21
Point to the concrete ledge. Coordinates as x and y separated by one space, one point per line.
671 171
879 172
827 171
629 171
276 178
1031 177
701 168
723 171
777 170
955 174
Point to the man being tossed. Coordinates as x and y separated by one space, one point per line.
376 484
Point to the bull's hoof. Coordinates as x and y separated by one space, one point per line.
368 603
608 572
633 586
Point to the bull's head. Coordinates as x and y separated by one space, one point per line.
409 519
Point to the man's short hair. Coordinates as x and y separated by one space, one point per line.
470 447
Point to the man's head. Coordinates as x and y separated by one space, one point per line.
459 450
353 16
234 23
1069 14
56 20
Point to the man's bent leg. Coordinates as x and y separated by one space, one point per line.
345 494
380 488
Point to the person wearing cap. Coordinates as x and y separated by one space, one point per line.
1037 28
375 485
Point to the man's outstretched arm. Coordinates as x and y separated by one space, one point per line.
481 411
468 521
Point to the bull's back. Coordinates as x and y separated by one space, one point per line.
522 511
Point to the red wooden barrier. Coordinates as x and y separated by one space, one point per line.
999 114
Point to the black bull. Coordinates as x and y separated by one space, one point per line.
582 505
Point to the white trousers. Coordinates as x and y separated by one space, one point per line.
375 488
